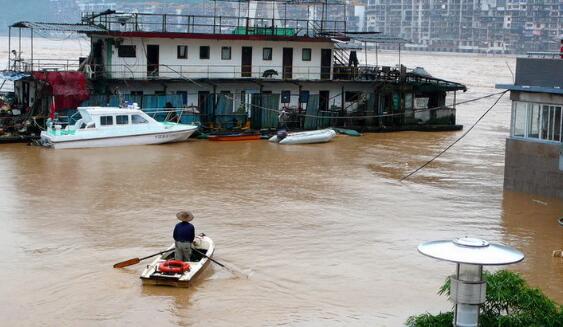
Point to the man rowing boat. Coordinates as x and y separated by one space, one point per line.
184 234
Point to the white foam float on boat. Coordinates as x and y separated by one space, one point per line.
112 126
152 275
309 137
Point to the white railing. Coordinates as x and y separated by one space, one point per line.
145 72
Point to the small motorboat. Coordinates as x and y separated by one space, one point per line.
113 126
164 270
309 137
234 137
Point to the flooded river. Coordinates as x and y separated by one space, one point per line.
327 232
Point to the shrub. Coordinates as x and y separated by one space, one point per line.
510 302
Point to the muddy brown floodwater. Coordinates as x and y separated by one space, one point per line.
327 232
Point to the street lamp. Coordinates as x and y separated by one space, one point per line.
467 290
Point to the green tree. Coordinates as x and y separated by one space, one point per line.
510 302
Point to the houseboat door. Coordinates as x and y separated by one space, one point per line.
326 60
152 60
246 65
202 98
287 63
324 100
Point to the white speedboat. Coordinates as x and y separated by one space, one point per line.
111 126
318 136
166 271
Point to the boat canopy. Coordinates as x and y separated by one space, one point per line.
59 27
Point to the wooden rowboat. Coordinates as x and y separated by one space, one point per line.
235 137
152 275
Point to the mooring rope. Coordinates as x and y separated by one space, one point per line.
458 139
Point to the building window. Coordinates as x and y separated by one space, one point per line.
551 123
136 119
127 51
226 53
122 120
204 52
267 54
182 52
520 112
106 120
537 121
306 54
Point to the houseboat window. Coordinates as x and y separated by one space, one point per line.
137 93
182 52
267 54
136 119
352 96
127 51
285 96
226 53
122 120
408 101
204 52
304 97
106 120
306 54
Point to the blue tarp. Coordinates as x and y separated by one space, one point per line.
13 76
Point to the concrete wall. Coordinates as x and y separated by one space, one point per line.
533 167
544 98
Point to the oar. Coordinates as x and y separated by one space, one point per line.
234 271
137 260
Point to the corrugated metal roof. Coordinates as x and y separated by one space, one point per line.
377 38
58 27
533 89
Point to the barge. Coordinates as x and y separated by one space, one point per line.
266 69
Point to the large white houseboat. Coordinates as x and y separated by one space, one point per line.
242 69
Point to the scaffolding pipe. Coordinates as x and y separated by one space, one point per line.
9 45
20 48
31 32
376 55
366 52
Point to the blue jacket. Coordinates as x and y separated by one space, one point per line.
184 232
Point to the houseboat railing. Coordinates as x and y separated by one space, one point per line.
270 72
205 24
47 64
545 54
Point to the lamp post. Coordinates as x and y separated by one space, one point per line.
468 288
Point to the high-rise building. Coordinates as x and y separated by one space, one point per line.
470 25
